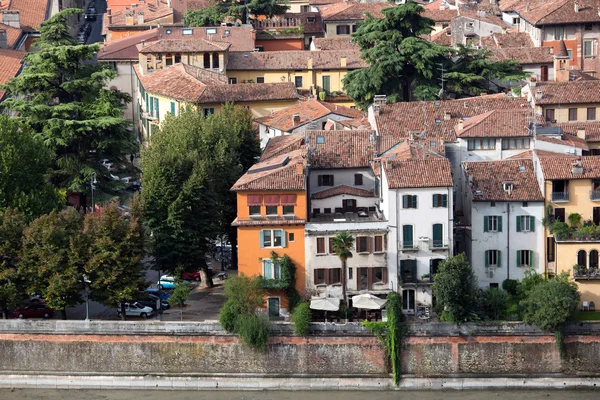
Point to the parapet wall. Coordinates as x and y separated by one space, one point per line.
187 348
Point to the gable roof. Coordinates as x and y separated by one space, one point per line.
412 165
437 119
276 173
183 46
279 145
32 13
523 55
554 168
550 12
10 65
352 11
584 91
126 48
340 149
307 111
340 190
335 43
12 34
241 38
299 59
248 92
497 123
486 180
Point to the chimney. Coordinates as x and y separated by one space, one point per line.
581 132
577 167
140 19
3 39
527 7
576 6
532 81
108 12
460 124
11 18
143 43
129 18
447 116
295 119
109 19
299 168
343 62
538 95
169 4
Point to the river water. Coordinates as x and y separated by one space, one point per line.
43 394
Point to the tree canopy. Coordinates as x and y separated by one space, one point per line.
236 10
61 94
12 225
405 67
25 164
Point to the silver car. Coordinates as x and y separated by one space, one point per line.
136 310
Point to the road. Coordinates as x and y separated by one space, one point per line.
48 394
96 33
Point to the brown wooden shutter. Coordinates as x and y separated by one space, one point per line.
384 274
340 275
331 246
369 244
320 245
378 243
327 274
370 278
315 281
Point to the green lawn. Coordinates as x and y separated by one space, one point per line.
587 316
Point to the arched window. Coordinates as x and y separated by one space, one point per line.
594 259
168 60
582 258
207 60
215 60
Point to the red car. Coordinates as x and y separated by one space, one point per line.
191 276
35 310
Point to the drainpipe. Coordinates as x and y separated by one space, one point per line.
450 221
398 239
508 240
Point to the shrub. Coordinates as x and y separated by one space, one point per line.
322 96
180 293
575 219
253 330
302 317
510 286
228 315
495 302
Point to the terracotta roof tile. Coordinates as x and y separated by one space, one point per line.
284 60
150 11
10 65
488 177
126 48
307 111
342 189
523 55
239 37
323 2
183 46
565 140
12 34
507 40
437 119
443 37
335 43
281 145
411 165
352 11
341 149
270 221
550 12
245 92
497 123
592 129
276 173
586 91
562 167
438 15
32 13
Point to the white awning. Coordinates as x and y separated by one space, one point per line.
325 303
368 301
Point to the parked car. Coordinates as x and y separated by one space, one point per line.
35 310
191 276
166 282
136 310
163 294
91 14
107 164
81 39
152 301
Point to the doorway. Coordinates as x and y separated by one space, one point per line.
408 300
273 304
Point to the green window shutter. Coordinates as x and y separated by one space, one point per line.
499 258
531 224
518 223
151 106
486 256
282 238
518 258
414 270
531 258
173 107
485 224
500 223
433 200
415 201
156 107
405 201
445 200
438 230
407 236
262 239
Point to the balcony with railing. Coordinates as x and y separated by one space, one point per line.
560 197
580 273
438 244
409 245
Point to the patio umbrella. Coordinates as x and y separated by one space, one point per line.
368 302
325 304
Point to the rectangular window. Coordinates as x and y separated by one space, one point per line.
272 238
409 201
481 144
267 238
362 244
378 275
331 251
350 273
271 210
270 270
304 9
591 114
232 81
325 180
524 258
378 244
260 79
316 211
407 237
440 200
358 179
342 29
208 111
186 31
327 211
559 33
550 246
550 114
298 81
254 210
516 20
321 245
525 223
514 144
492 223
288 210
492 258
559 214
588 49
173 111
326 84
336 275
320 276
291 237
572 114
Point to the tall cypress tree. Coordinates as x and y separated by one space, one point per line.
61 94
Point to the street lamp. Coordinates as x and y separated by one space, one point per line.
92 183
87 297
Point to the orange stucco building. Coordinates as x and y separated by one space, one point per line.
271 214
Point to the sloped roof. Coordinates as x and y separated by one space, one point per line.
284 60
592 129
564 140
32 13
335 43
150 12
433 11
240 38
507 40
279 145
247 92
411 165
352 11
341 149
585 91
523 55
497 123
550 12
12 34
183 46
275 173
10 65
487 178
307 111
562 167
340 190
126 48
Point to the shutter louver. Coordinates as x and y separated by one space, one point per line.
500 223
518 223
485 224
532 224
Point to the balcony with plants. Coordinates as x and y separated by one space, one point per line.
581 272
577 230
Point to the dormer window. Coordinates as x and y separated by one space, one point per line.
508 186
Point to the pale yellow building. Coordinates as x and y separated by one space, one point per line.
572 185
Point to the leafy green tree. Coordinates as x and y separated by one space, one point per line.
455 288
343 244
209 16
180 293
61 94
114 247
25 164
531 280
12 225
302 317
237 10
48 259
495 302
